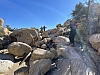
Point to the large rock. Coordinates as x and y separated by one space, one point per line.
41 54
62 67
95 41
6 62
19 48
1 22
46 33
38 43
3 31
74 65
26 35
66 24
61 40
63 52
53 31
40 67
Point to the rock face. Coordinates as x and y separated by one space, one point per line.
41 54
95 42
74 65
19 48
6 62
40 67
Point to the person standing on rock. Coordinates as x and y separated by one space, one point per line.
72 33
44 27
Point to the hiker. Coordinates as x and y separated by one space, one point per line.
44 27
41 30
72 33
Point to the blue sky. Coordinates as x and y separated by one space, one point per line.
36 13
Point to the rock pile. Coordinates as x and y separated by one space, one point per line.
44 48
45 54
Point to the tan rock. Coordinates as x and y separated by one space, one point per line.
41 54
19 48
53 31
6 62
44 46
4 31
61 40
22 71
58 25
46 33
26 35
45 40
40 67
38 43
95 41
48 39
40 37
53 50
22 36
66 24
1 22
63 52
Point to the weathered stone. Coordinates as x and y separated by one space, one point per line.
38 43
63 52
26 35
40 67
61 40
22 71
44 46
48 39
46 33
54 51
1 40
6 62
3 31
62 67
58 25
60 31
94 38
19 48
95 41
40 37
22 35
45 40
1 22
53 31
41 54
66 24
